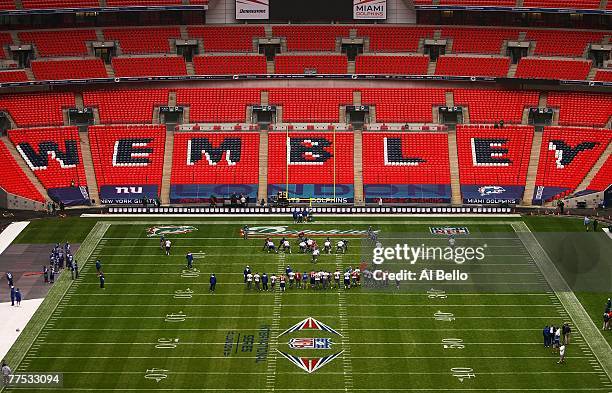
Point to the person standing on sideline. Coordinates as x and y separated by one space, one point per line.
566 333
9 278
189 257
380 202
98 266
51 274
587 222
162 242
595 224
18 297
6 373
101 276
608 305
76 268
213 282
46 274
245 232
561 354
12 296
606 321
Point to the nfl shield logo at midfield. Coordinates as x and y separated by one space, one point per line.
310 364
170 230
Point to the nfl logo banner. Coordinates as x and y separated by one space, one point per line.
252 9
310 343
369 9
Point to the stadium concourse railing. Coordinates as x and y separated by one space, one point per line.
262 77
315 210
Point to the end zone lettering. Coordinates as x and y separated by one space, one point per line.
447 231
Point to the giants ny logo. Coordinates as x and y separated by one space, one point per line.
310 364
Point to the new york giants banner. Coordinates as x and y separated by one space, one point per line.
252 9
127 194
369 9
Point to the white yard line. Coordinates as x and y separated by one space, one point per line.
294 389
582 321
275 328
10 233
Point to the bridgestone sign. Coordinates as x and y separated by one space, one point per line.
252 9
369 9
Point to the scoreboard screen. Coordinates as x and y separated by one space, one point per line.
311 10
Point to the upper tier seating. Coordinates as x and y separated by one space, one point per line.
137 3
533 67
578 4
473 66
217 105
13 179
37 109
311 38
230 64
68 69
207 168
431 148
567 43
126 106
149 66
487 106
603 76
581 108
59 42
143 40
305 165
394 38
400 65
603 178
322 64
137 160
489 40
13 76
7 5
504 168
568 154
227 38
404 105
5 40
310 105
45 4
483 3
53 154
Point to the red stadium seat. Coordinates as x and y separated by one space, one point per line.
581 108
45 4
53 154
567 155
126 106
145 146
603 178
404 105
217 105
400 65
227 38
149 66
578 4
508 167
7 5
603 76
13 76
138 3
478 39
489 106
536 68
482 3
69 69
322 64
59 42
310 105
394 38
473 66
13 179
566 43
5 40
311 38
37 109
230 64
143 40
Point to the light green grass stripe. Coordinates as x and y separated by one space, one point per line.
53 299
593 337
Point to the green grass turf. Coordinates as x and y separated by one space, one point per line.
104 340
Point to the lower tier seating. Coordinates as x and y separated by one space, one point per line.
13 179
53 154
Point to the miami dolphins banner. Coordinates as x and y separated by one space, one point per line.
369 9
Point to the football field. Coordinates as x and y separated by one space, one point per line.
157 327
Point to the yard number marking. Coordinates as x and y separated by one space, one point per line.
462 373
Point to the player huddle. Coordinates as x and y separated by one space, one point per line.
306 245
301 280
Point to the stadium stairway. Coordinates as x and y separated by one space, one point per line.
595 169
262 190
24 167
167 171
453 157
90 175
532 169
358 168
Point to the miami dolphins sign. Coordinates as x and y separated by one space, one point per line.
170 230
